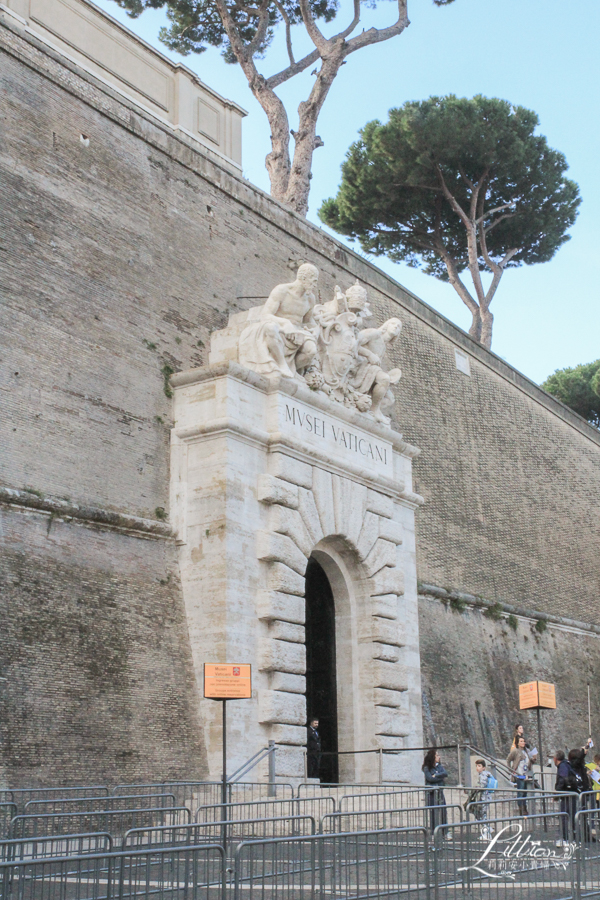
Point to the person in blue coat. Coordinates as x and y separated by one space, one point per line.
435 775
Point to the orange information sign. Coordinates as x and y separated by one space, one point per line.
546 695
536 694
227 682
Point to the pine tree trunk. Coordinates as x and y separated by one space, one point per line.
487 321
476 327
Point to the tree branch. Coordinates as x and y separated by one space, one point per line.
376 35
490 212
275 80
344 34
263 23
314 32
489 227
288 32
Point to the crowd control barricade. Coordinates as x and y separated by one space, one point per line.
267 809
61 845
390 799
233 832
385 819
100 804
115 822
7 813
337 790
22 796
587 834
174 873
206 793
536 803
365 865
522 858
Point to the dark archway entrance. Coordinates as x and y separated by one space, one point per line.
321 687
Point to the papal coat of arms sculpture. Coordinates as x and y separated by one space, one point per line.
326 345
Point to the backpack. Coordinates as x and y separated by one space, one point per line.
492 783
574 781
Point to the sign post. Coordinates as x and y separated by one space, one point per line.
227 682
538 695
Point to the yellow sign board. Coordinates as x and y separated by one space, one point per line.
536 694
227 682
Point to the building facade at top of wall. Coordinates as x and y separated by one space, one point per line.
128 236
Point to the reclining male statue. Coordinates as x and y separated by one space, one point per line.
282 339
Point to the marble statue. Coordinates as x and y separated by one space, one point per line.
323 344
283 339
370 377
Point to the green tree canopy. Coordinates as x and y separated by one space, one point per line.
453 184
579 388
243 31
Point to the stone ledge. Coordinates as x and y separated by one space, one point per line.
88 515
427 591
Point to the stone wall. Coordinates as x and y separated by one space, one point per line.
471 667
120 252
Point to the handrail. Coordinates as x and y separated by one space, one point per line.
251 763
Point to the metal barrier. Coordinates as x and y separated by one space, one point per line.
181 873
265 809
372 864
528 803
384 819
7 813
43 848
115 822
100 804
207 793
518 858
22 796
308 789
587 832
232 832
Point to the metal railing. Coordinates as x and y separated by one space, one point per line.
174 873
100 804
57 845
22 796
115 822
384 819
231 832
258 809
356 866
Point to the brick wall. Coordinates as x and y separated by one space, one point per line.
118 257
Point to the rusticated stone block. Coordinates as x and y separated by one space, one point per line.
286 631
389 675
290 469
286 681
281 578
271 605
277 707
270 490
295 735
273 547
281 656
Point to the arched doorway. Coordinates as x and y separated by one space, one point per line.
321 681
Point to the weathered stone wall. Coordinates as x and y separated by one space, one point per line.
471 667
119 255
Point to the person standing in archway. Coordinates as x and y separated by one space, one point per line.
313 749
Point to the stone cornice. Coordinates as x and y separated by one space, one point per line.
292 388
101 97
429 591
86 515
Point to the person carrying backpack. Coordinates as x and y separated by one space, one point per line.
520 763
572 780
486 783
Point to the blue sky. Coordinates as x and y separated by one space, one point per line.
541 54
